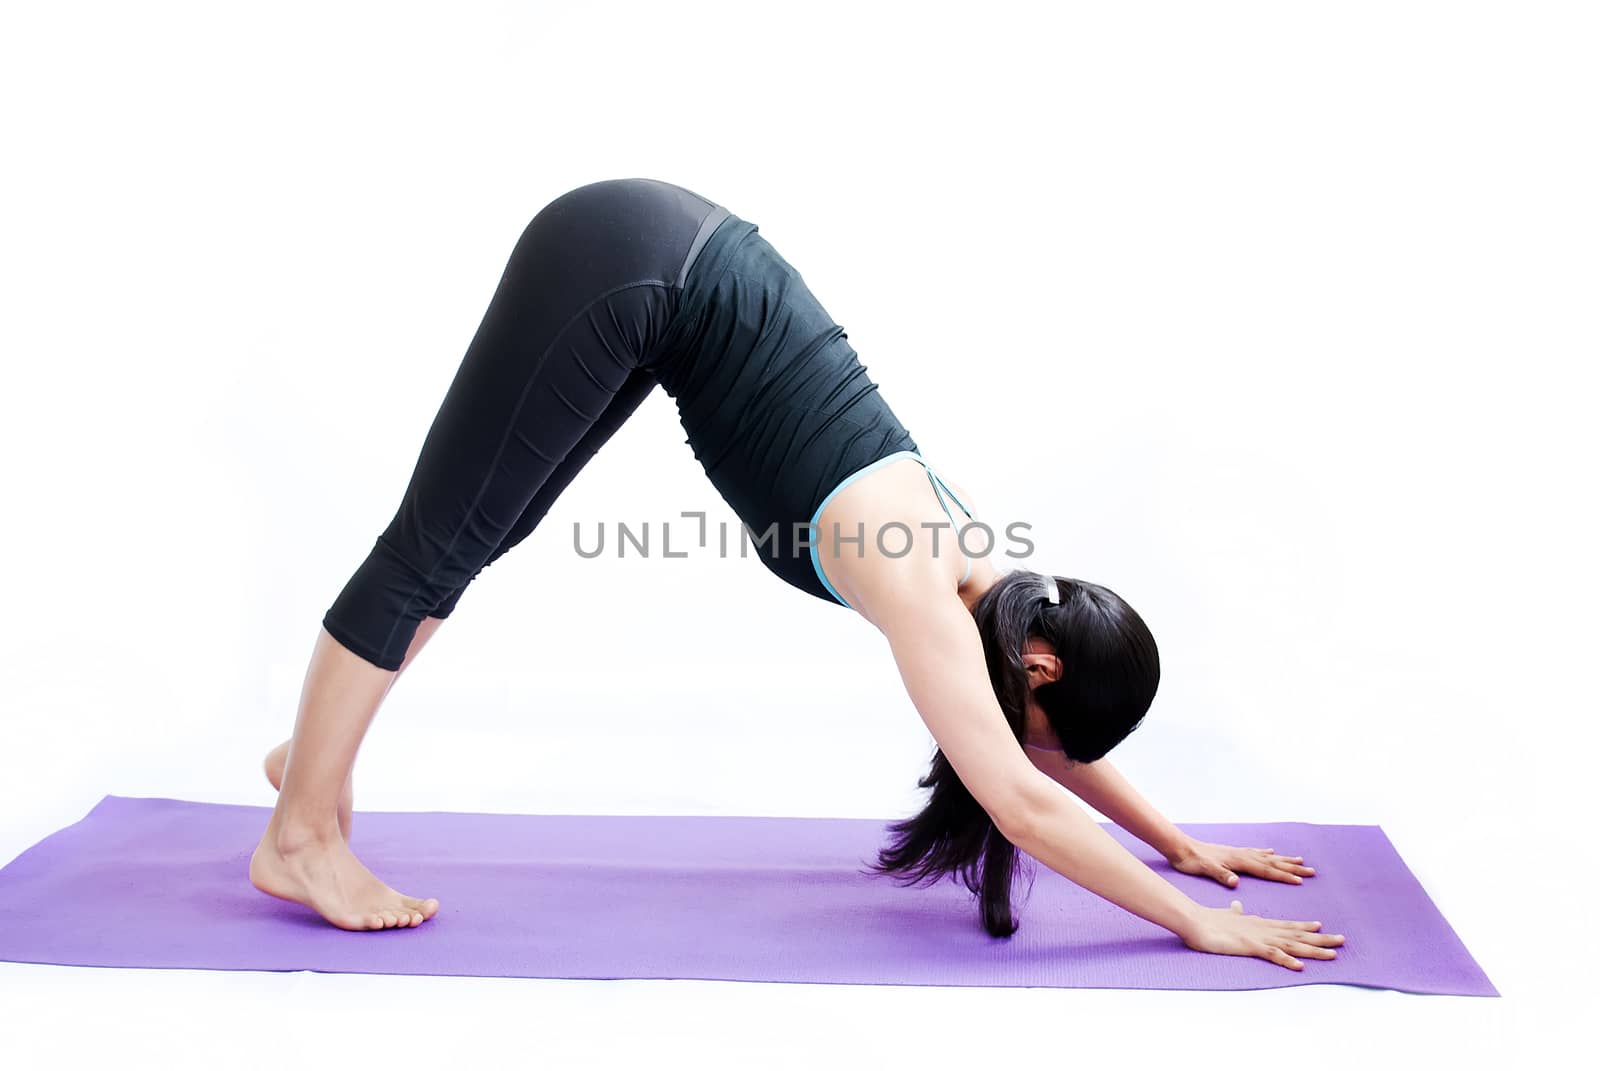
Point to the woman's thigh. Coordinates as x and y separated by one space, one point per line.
587 292
638 386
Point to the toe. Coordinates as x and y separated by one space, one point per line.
425 908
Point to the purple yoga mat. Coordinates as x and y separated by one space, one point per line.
162 883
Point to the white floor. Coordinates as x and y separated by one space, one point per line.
173 1018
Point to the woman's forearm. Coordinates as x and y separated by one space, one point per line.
1102 786
1062 837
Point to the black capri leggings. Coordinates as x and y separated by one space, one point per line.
586 304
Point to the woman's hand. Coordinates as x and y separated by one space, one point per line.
1225 863
1229 931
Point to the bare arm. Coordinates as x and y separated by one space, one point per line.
940 657
1102 786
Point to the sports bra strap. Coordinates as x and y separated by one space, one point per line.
940 485
940 489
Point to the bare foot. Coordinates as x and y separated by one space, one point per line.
278 758
324 875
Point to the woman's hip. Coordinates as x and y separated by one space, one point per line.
616 232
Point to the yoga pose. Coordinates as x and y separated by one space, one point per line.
1025 680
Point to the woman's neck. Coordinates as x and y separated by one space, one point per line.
984 576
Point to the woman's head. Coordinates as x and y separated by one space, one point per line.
1081 657
1074 649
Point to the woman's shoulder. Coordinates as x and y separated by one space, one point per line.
894 594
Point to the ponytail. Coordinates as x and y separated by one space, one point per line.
1108 680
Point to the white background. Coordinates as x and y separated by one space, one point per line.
1276 318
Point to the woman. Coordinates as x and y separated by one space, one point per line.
1024 680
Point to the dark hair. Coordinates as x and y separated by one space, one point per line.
1109 674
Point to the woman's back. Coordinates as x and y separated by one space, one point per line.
778 408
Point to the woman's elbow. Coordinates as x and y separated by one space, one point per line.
1020 808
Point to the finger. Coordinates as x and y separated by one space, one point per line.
1225 876
1282 958
1273 873
1292 868
1292 924
1264 867
1300 948
1236 907
1326 940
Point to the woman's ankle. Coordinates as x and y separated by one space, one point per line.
292 835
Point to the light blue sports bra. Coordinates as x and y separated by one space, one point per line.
939 488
